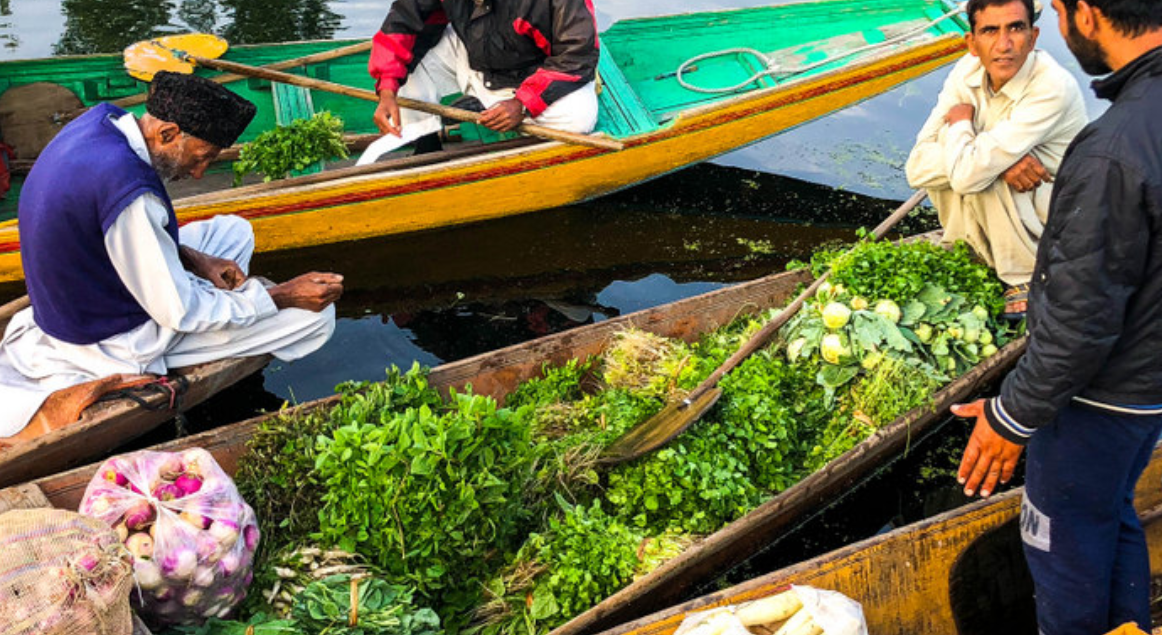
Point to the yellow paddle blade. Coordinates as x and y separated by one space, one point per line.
171 53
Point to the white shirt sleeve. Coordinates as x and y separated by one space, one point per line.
925 166
976 159
147 260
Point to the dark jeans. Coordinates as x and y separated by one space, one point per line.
1083 542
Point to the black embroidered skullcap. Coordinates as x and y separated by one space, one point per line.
199 107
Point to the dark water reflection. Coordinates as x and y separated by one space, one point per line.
103 26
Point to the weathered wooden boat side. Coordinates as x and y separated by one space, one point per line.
663 130
903 578
107 425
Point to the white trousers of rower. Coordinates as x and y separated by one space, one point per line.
34 364
444 71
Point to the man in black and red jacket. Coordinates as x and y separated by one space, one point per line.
520 58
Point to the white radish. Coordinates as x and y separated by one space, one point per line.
801 623
769 610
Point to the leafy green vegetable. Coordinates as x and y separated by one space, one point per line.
277 152
324 608
383 609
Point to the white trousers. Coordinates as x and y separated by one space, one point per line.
33 364
444 70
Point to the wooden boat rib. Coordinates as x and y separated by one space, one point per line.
905 578
498 372
664 126
107 425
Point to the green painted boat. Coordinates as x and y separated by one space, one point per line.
787 64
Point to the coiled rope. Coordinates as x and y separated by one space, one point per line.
774 71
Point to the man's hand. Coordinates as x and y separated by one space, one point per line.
989 457
311 291
224 274
504 116
1027 174
387 113
960 112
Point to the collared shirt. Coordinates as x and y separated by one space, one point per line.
1037 112
179 302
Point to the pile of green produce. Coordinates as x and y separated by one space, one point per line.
337 605
501 518
278 152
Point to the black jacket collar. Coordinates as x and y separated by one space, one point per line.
1146 65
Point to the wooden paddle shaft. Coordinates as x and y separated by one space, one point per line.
761 336
306 60
458 114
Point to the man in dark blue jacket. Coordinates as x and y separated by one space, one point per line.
1087 396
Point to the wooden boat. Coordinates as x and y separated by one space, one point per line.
664 126
498 372
107 425
959 572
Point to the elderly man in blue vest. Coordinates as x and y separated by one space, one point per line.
116 288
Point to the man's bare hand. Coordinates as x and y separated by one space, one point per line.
960 112
1027 174
989 458
387 113
311 291
504 116
222 273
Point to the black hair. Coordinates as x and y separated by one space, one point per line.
1130 17
976 6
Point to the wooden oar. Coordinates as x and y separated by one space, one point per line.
676 417
10 309
144 60
306 60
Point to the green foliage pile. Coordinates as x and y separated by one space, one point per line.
504 522
278 152
324 606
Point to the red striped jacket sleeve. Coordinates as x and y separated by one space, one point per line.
410 29
572 52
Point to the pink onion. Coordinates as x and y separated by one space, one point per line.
140 545
192 597
172 468
225 532
188 484
179 563
148 576
168 492
250 535
140 515
88 562
113 476
204 577
196 460
206 547
96 506
198 521
229 564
